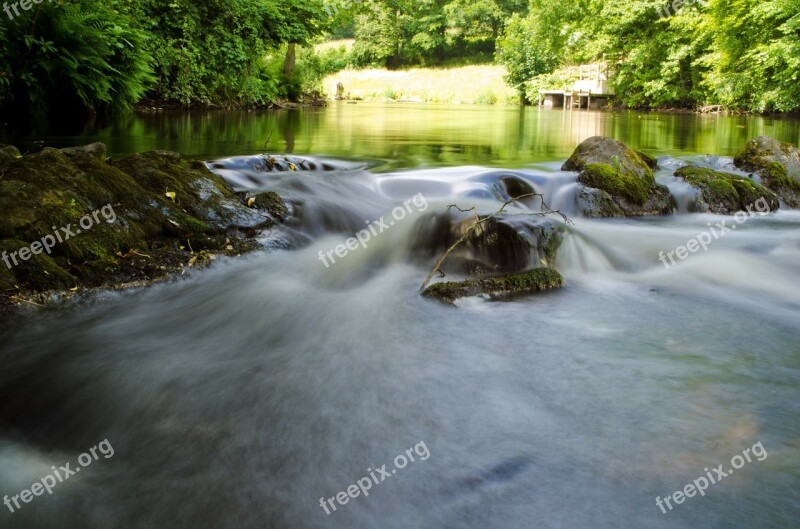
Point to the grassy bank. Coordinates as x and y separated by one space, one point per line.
467 84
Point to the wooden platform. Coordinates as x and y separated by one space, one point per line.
569 98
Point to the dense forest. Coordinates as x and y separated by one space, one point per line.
112 54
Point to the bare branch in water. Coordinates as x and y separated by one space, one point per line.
545 210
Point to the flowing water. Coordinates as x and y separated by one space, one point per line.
242 395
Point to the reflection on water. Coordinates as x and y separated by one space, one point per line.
410 135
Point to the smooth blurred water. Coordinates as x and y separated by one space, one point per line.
240 396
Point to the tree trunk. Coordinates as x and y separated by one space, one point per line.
291 59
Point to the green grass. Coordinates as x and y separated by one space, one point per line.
335 44
481 84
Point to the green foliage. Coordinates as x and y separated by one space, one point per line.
86 54
743 54
213 52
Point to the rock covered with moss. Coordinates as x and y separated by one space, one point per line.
622 176
725 193
160 214
778 165
503 287
502 244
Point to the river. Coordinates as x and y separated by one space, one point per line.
246 393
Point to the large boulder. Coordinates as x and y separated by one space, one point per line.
625 175
778 165
725 193
505 287
135 219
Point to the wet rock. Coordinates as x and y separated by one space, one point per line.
8 153
609 165
97 149
778 165
725 193
504 287
199 193
501 245
137 219
269 203
597 203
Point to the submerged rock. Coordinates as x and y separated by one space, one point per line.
778 165
623 174
504 287
139 218
725 193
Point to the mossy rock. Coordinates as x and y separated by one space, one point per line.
38 272
504 287
8 153
197 193
775 176
616 182
270 203
624 174
130 227
651 161
602 150
778 165
725 193
760 151
96 150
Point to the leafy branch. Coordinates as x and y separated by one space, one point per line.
545 210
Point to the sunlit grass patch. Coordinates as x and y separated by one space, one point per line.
482 84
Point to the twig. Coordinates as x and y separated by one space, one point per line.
17 298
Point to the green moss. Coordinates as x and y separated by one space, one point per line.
617 182
726 193
272 203
648 160
775 175
39 272
502 287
